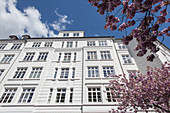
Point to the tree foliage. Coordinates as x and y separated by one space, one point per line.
143 92
153 16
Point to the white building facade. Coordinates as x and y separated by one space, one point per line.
64 74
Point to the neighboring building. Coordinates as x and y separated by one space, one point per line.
64 74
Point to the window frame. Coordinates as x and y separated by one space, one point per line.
93 72
61 93
29 56
67 56
105 55
64 73
126 60
10 94
91 55
35 73
109 71
42 56
97 94
2 46
48 44
8 59
20 73
91 43
69 44
29 95
36 44
102 43
16 46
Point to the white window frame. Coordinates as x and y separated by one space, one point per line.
96 95
93 72
8 95
102 43
67 56
108 71
109 95
69 44
71 95
20 73
42 56
55 73
16 46
75 56
61 95
122 46
59 56
64 73
126 59
26 95
91 55
7 58
91 43
2 46
36 72
73 72
48 44
36 44
29 56
50 95
105 55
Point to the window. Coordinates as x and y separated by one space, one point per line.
36 44
26 95
59 57
2 46
67 56
126 59
102 43
73 73
20 72
55 74
61 94
65 34
8 95
48 44
93 72
50 95
105 55
1 71
62 44
42 56
64 73
108 71
76 34
69 44
76 44
16 46
94 95
36 72
75 56
121 46
7 58
28 56
92 55
91 43
109 95
71 95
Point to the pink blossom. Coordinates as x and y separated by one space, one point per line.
161 19
122 26
163 12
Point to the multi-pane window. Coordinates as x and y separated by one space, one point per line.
75 56
126 59
26 95
55 74
109 95
73 73
28 56
76 34
64 73
94 95
62 44
93 72
48 44
20 72
65 34
108 71
2 46
76 44
7 58
121 46
61 94
59 57
92 55
91 43
16 46
36 72
42 56
105 55
67 56
1 71
102 43
69 44
8 95
36 44
50 95
71 95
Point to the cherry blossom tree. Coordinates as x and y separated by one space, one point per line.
152 15
143 92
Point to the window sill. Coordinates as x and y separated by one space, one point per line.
66 61
93 60
40 61
27 79
25 61
128 64
91 78
15 79
106 60
63 79
4 63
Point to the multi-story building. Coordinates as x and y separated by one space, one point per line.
65 74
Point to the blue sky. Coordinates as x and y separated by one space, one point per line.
40 18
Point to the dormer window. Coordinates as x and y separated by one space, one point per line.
65 34
76 34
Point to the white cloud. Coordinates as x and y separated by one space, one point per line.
13 21
96 35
